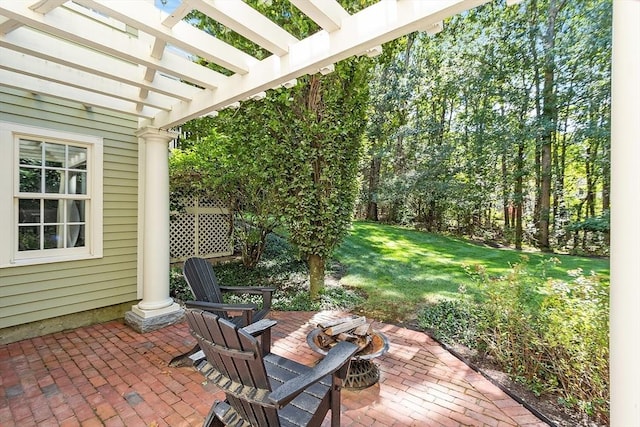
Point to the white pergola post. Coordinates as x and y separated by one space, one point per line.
156 309
625 221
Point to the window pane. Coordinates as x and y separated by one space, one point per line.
53 211
54 155
77 183
30 152
75 236
51 236
77 158
54 181
50 174
75 211
28 238
29 211
30 180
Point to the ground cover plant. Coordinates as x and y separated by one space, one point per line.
279 267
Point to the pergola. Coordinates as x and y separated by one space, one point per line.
130 57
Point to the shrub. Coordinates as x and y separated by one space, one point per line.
549 335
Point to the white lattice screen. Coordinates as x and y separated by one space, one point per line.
203 229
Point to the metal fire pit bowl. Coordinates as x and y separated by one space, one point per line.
363 372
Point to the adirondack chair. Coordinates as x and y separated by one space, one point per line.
199 275
266 390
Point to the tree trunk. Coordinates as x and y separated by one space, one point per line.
316 275
374 182
533 49
606 189
505 192
545 195
518 196
548 119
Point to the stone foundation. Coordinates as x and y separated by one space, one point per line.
146 324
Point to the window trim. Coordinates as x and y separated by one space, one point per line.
10 134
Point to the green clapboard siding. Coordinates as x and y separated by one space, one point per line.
39 292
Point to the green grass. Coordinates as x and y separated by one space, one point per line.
401 269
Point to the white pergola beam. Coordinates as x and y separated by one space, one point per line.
248 22
86 97
178 14
63 75
38 45
375 25
328 14
74 27
8 25
46 6
145 17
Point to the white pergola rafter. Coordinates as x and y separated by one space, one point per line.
131 57
328 14
44 70
249 23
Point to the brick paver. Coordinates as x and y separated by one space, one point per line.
109 375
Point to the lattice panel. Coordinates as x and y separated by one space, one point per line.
183 242
212 203
203 230
216 229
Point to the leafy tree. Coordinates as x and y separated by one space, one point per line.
300 147
324 134
220 166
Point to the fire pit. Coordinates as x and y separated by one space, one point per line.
363 372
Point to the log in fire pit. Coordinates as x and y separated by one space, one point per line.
363 372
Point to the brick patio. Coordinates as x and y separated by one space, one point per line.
109 375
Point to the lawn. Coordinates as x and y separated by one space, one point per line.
401 269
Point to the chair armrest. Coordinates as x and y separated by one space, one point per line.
259 327
246 289
335 359
252 290
214 306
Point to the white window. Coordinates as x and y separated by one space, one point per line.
55 202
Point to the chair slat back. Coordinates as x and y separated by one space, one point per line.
237 359
199 274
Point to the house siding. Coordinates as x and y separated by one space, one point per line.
38 292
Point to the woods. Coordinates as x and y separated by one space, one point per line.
497 127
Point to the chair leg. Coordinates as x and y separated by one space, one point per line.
183 359
265 342
335 402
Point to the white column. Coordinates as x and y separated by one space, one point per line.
625 221
157 308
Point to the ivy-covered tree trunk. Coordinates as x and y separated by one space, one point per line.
316 265
322 127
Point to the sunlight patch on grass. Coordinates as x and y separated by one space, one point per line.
401 269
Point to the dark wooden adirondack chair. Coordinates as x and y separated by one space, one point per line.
199 274
266 390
